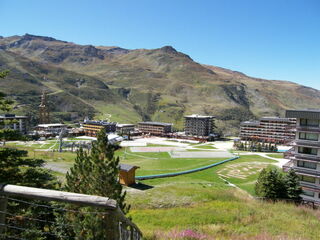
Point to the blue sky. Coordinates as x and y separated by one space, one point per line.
272 39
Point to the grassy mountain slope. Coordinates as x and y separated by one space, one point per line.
159 84
72 96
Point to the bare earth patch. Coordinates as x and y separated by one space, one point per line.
242 170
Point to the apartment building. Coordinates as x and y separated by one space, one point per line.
12 121
50 128
305 159
198 125
155 128
125 128
269 129
91 128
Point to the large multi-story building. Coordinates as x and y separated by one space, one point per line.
198 125
91 128
269 129
11 121
125 129
155 128
305 159
50 129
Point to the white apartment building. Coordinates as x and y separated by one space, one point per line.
306 156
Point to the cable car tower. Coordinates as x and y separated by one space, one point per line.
44 116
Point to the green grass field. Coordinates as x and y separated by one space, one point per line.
204 202
205 147
275 155
160 162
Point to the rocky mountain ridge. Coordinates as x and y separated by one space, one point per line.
158 84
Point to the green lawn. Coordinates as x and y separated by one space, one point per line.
160 162
159 145
205 147
275 155
203 201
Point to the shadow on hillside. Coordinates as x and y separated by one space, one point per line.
141 186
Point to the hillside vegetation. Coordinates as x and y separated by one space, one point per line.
158 84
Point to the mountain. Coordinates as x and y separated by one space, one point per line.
131 85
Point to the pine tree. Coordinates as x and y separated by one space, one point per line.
271 184
292 185
96 173
18 169
259 149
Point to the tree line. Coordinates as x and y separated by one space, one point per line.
255 146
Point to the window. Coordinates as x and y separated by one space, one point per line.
307 179
308 193
304 164
309 136
309 122
306 150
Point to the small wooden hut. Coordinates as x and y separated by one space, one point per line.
127 174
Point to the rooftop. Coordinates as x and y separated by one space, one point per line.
251 123
157 123
304 113
125 125
198 116
51 125
127 167
103 123
9 116
276 119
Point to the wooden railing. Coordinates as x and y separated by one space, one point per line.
119 226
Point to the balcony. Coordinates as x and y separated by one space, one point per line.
301 156
301 170
308 129
306 171
295 158
286 167
306 143
312 186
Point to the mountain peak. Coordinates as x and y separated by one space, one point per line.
28 36
168 49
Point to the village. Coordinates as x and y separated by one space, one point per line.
159 120
290 142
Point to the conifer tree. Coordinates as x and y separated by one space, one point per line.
96 173
274 184
259 147
292 185
271 184
18 169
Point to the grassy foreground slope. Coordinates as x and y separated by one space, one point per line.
202 203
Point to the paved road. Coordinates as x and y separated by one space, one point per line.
61 168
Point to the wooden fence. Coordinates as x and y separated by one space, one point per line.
120 227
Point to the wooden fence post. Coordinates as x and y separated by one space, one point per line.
131 233
113 226
3 209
